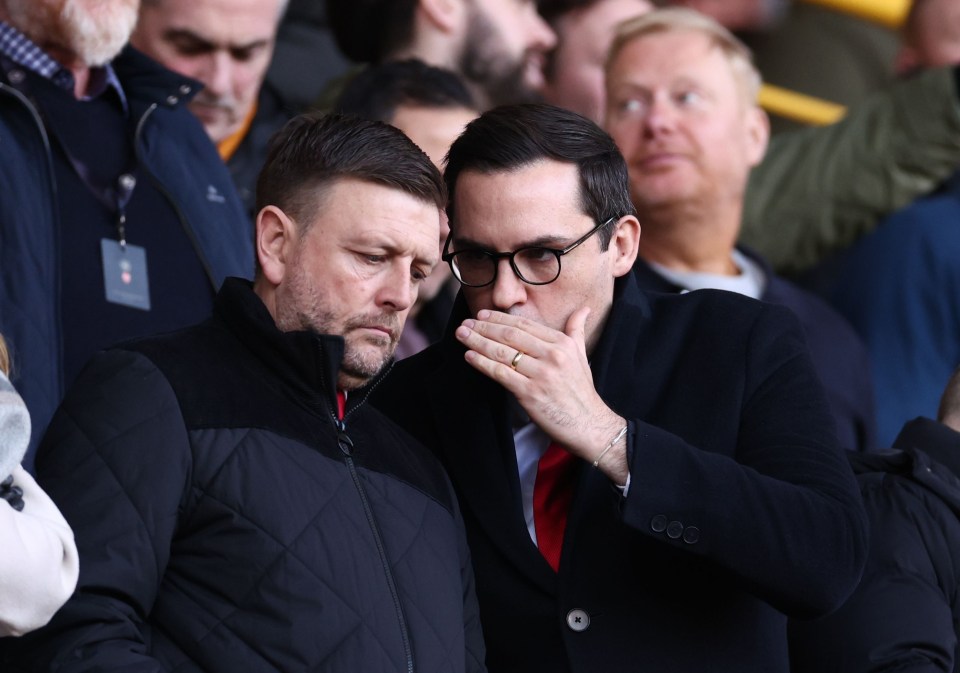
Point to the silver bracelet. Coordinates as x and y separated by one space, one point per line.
609 446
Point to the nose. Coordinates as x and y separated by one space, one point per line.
397 291
541 35
660 116
218 78
507 290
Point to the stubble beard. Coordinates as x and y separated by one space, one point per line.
487 66
301 307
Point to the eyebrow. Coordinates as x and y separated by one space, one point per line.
185 35
464 243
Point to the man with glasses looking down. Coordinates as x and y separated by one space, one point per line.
647 480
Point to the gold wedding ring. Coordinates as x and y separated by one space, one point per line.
516 360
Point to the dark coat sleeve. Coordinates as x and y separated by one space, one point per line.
780 511
115 460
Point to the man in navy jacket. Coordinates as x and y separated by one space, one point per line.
648 480
118 218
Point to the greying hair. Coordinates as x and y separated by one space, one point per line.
681 19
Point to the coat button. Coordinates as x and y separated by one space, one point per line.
691 535
172 100
658 524
674 530
185 89
578 620
16 76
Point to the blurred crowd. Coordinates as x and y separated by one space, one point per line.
160 159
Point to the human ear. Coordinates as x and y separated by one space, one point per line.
444 14
758 135
275 241
624 245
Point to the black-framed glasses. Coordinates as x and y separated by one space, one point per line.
534 265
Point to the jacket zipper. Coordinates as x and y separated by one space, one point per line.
346 448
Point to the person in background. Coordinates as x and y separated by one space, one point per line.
816 190
238 505
903 615
431 106
39 564
496 46
648 480
226 45
682 107
118 219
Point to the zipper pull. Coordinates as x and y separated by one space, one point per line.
343 439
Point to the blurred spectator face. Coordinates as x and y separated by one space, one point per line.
90 32
225 44
683 121
931 37
504 49
575 80
433 129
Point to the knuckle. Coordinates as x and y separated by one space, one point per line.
512 336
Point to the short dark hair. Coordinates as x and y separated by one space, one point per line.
312 150
369 31
514 136
377 91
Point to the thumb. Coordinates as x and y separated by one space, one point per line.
576 327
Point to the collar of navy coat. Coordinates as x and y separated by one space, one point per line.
146 82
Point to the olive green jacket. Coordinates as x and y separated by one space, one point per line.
819 189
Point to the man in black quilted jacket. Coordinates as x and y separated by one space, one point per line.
237 505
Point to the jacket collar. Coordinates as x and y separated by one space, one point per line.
648 279
935 439
146 82
928 453
308 363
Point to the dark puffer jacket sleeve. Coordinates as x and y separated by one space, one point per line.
116 461
902 615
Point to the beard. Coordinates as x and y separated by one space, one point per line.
485 63
94 31
97 34
302 307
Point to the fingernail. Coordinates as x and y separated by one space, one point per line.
483 314
462 333
469 323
